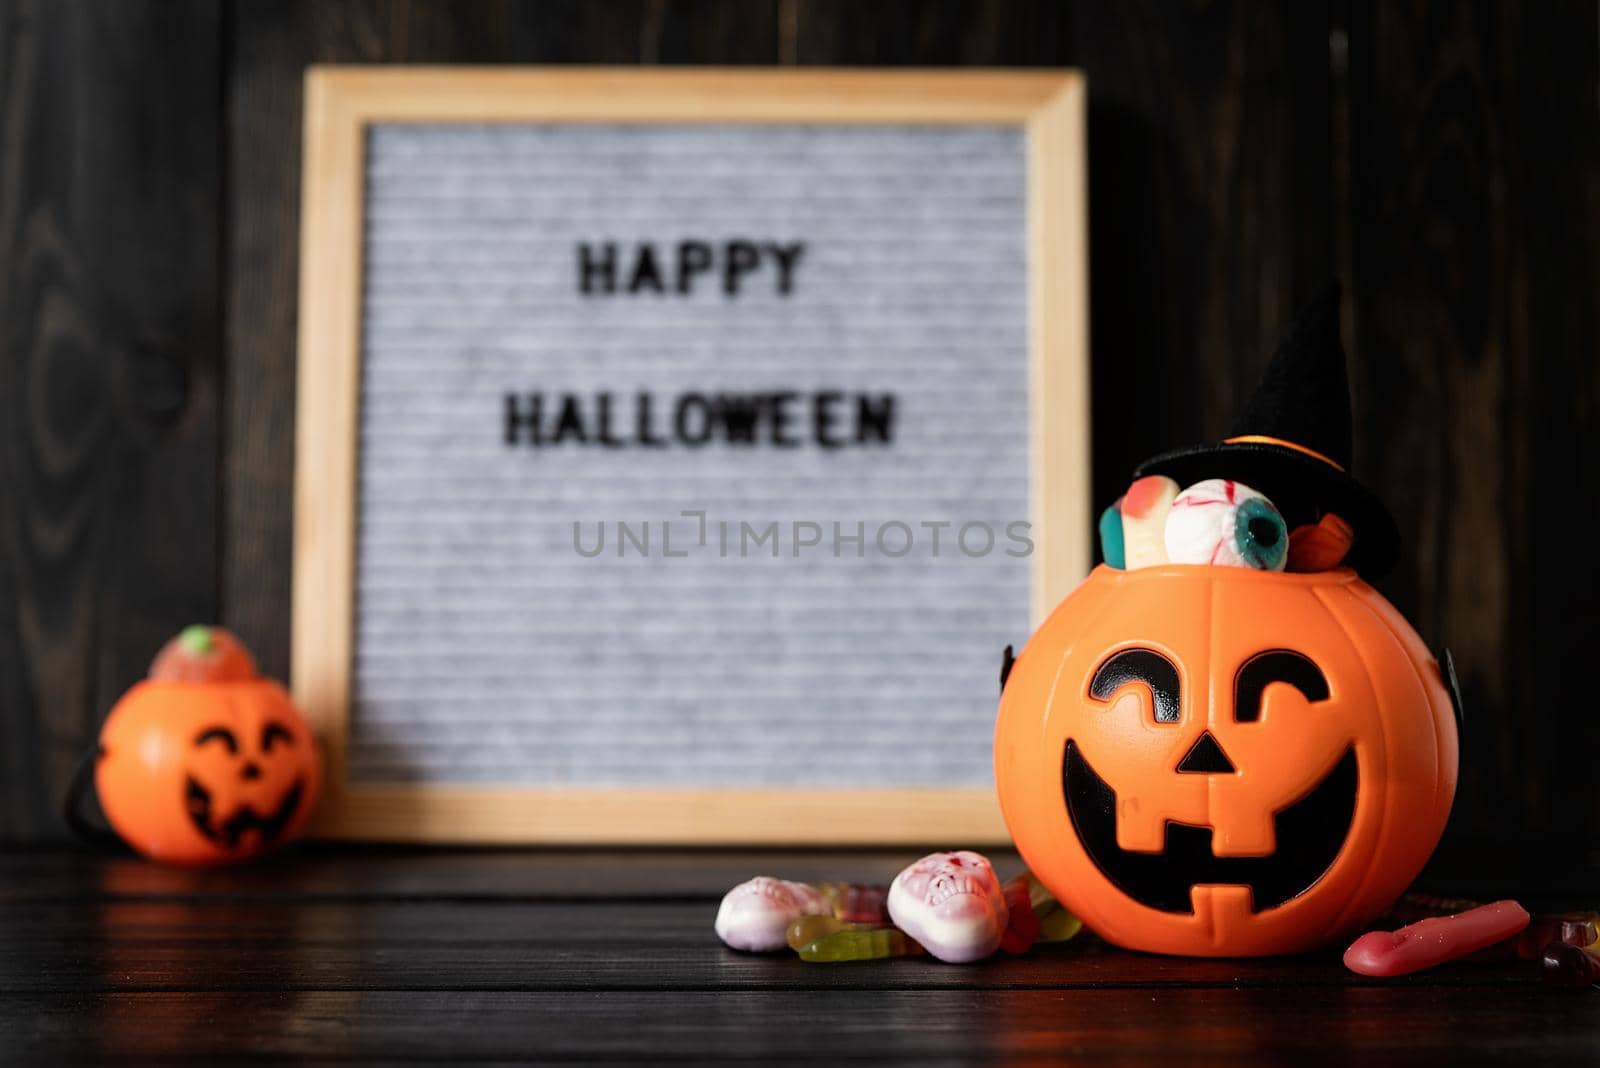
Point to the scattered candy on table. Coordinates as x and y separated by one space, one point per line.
808 929
832 940
1580 929
1435 940
1222 522
1144 521
1569 967
952 904
859 943
1573 929
755 915
1059 925
1022 922
857 902
1035 916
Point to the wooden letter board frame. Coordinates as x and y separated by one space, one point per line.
342 102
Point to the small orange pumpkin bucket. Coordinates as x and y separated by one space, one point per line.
205 762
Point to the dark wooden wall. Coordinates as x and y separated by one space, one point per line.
1443 158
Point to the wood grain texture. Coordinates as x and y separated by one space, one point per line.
1478 209
327 872
628 815
399 955
580 945
1273 1025
109 360
1210 195
317 872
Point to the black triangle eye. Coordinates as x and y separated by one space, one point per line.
1275 665
1158 674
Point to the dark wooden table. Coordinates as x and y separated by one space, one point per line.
388 956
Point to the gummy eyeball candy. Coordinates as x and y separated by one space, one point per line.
952 904
1223 522
755 915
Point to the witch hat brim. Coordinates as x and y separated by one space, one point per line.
1300 485
1292 442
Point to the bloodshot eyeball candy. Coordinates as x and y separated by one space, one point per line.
1220 521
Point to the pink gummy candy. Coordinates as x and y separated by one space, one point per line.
1435 940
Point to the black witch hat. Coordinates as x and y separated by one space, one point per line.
1292 442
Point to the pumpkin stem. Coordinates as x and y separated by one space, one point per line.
197 639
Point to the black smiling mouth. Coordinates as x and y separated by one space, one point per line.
1310 832
228 834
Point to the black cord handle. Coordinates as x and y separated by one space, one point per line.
72 809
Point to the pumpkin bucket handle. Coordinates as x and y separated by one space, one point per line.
72 809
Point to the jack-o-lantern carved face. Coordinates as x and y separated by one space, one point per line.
200 771
242 781
1222 761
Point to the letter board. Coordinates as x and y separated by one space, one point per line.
678 451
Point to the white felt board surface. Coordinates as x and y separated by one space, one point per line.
887 369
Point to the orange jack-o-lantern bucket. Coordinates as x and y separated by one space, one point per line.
206 761
1220 761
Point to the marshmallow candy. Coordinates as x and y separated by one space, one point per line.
755 915
1226 523
952 904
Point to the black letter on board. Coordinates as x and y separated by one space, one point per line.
702 433
609 440
743 257
605 269
645 272
517 420
825 418
780 421
788 256
740 413
694 257
570 424
875 418
646 432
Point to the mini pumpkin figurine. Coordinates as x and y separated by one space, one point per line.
205 761
1222 757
